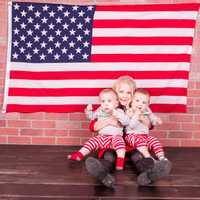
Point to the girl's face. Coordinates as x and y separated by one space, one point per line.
125 93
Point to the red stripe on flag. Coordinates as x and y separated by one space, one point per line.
86 91
140 58
161 7
80 108
162 23
98 75
142 40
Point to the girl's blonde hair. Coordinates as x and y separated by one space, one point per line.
125 79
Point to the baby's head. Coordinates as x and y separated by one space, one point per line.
108 100
124 86
141 99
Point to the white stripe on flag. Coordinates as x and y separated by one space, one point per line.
141 32
85 100
136 66
145 15
146 49
150 83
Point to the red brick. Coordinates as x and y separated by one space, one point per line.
169 126
190 143
197 118
67 125
190 126
31 132
170 143
197 102
8 131
158 134
196 135
180 134
194 93
43 124
190 101
18 123
37 115
2 123
181 118
80 133
68 141
85 125
198 85
12 115
19 140
84 140
56 132
77 117
193 109
192 84
43 140
3 139
57 116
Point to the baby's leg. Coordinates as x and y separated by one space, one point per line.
120 148
91 145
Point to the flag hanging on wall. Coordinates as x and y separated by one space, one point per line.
60 56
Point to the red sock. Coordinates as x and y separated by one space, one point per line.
76 156
120 163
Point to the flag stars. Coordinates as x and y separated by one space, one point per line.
50 50
87 19
60 8
44 20
64 50
29 44
16 19
66 13
65 26
57 44
75 8
37 14
85 56
73 20
79 26
86 44
43 44
56 56
65 38
79 38
44 32
81 13
71 56
30 32
86 32
51 14
23 25
78 50
51 26
45 8
30 20
15 43
37 26
90 8
58 32
72 32
22 38
50 38
58 20
36 38
16 6
16 31
42 57
31 7
28 56
71 44
23 13
22 50
35 51
15 55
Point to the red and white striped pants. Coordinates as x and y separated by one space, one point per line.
105 141
140 140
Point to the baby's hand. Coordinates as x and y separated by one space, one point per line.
129 112
159 121
89 107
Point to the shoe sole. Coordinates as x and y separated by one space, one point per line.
161 169
97 170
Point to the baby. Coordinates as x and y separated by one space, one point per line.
110 136
137 133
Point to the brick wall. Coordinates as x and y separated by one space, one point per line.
72 128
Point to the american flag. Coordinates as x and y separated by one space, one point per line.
61 56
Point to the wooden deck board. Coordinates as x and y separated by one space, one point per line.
43 173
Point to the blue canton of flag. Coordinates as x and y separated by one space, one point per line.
45 33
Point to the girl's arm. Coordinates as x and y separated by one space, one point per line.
96 125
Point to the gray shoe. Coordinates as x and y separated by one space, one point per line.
160 169
96 169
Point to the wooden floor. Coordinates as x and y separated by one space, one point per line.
44 173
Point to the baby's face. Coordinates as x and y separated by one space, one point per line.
140 101
124 92
108 102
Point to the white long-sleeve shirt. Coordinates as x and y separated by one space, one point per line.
110 129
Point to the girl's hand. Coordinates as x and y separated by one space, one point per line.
89 107
129 112
159 121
